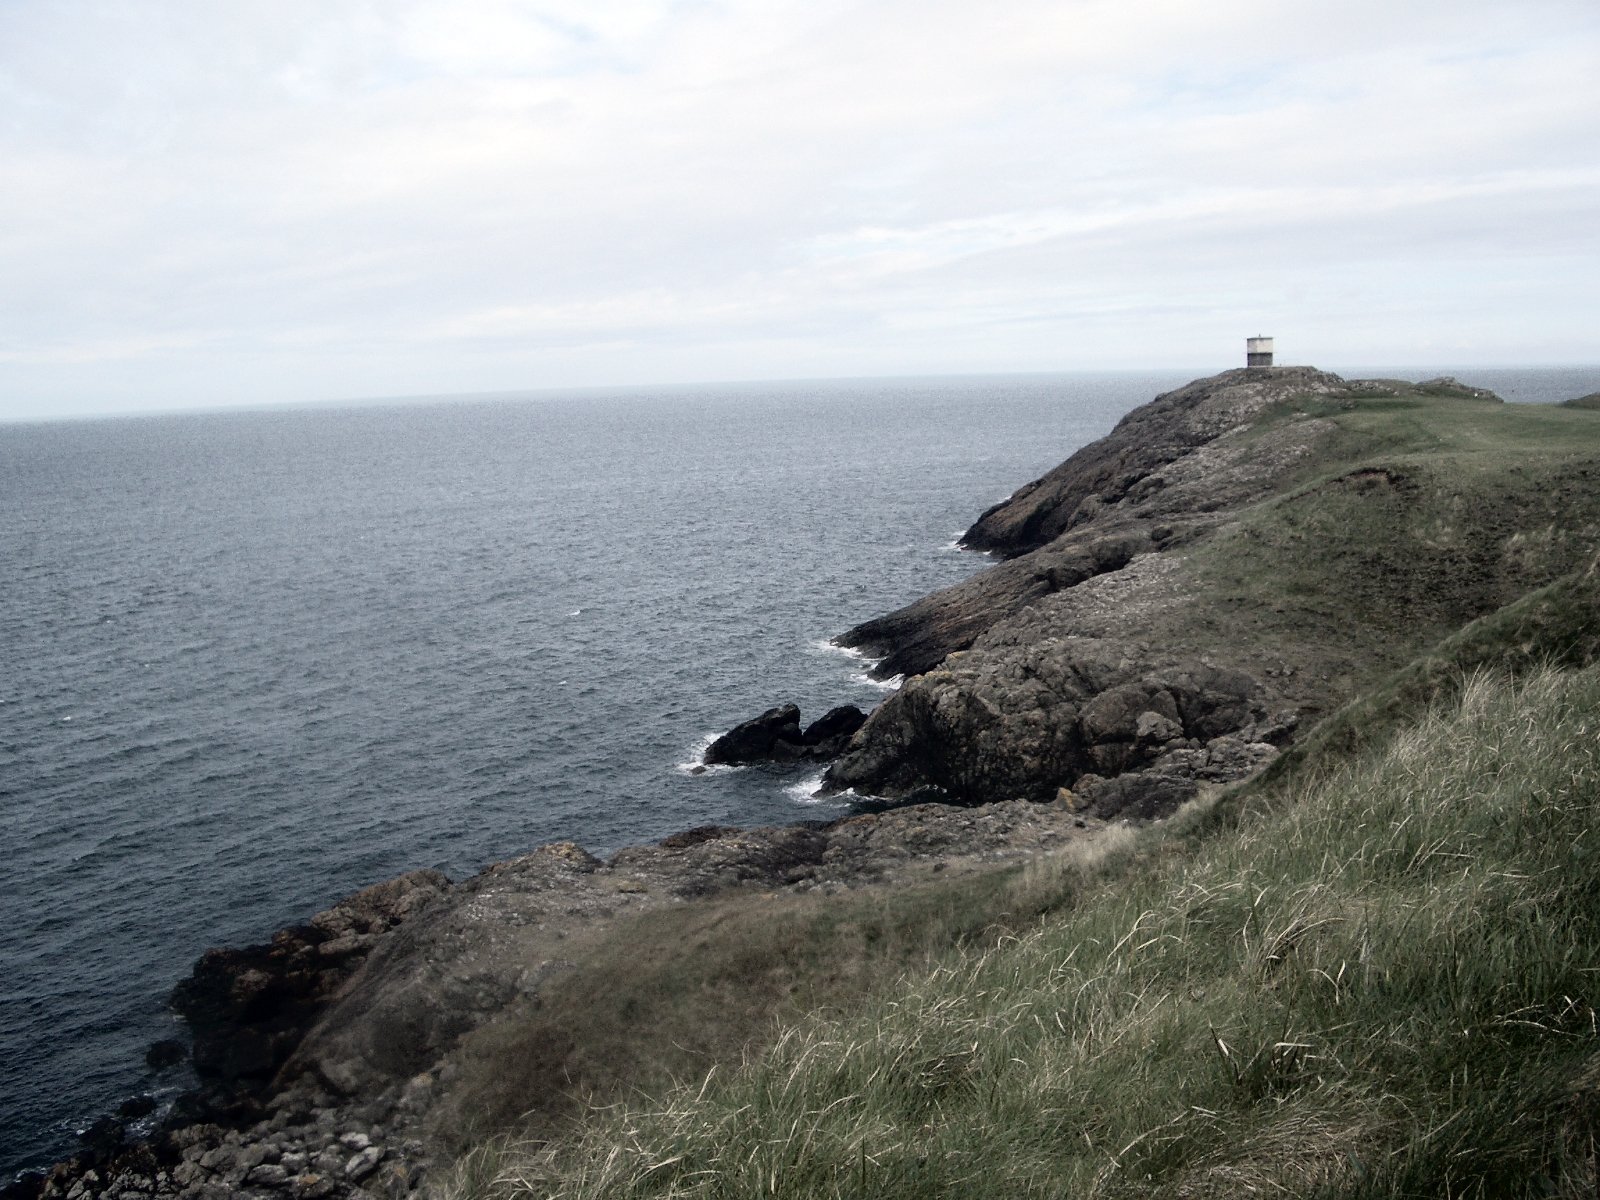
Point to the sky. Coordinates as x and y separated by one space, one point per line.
230 202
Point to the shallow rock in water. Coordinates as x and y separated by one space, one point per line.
776 736
755 740
829 734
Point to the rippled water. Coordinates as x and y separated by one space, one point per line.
254 661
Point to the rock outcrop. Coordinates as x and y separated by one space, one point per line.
1041 671
249 1008
1095 674
776 736
499 936
348 1114
1100 645
1165 475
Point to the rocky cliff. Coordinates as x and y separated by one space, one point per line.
1235 558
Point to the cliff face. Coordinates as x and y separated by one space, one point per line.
1235 557
1168 471
1111 481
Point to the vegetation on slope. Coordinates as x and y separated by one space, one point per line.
1419 514
1324 536
1378 985
1367 973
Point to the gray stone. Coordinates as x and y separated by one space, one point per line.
221 1159
363 1164
251 1156
187 1173
1157 727
312 1186
268 1175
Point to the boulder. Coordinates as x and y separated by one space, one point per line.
776 736
756 740
829 734
1140 796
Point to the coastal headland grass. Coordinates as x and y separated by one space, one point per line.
1411 516
1370 971
1377 984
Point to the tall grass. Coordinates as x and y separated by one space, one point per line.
1380 985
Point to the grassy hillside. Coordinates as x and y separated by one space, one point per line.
1421 513
1380 985
1369 972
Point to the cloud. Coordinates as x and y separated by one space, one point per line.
354 196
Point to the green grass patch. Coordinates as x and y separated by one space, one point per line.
1413 516
1555 625
1382 985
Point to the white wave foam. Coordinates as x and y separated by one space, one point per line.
829 646
807 790
696 763
886 685
866 660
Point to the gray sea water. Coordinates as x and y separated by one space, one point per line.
250 662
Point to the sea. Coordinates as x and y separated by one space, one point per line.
253 661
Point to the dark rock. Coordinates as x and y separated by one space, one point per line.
1077 653
165 1054
1127 462
829 736
1019 724
1448 385
835 723
693 837
776 736
1140 796
104 1137
248 1008
754 740
135 1107
27 1186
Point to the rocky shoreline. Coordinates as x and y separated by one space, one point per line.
1087 679
323 1052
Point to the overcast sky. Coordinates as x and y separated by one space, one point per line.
218 202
